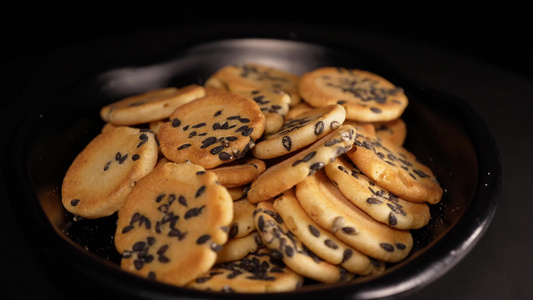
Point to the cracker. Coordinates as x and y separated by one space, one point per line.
238 247
149 106
239 172
323 243
243 220
251 76
377 202
300 131
105 171
289 172
284 246
395 131
325 204
212 130
395 169
273 103
258 272
173 223
367 97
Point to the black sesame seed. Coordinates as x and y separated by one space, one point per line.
224 156
319 127
74 202
392 219
387 247
182 201
400 246
138 264
346 255
217 113
198 125
193 212
314 231
349 230
135 157
331 244
202 239
138 246
176 122
127 228
217 149
287 142
184 146
200 191
106 167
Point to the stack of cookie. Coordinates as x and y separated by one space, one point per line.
258 180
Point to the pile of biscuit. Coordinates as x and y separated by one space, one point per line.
256 181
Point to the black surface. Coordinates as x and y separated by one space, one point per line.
496 88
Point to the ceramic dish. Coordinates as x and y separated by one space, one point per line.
443 132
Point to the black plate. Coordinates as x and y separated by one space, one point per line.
443 132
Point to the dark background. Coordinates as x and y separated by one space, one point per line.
495 34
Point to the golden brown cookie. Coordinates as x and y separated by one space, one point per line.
367 97
149 106
326 205
285 246
104 172
258 272
273 103
377 202
238 247
251 76
239 172
323 243
394 131
212 130
300 131
173 223
287 173
395 169
243 220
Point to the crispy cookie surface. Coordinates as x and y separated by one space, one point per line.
173 223
212 130
325 204
285 246
367 97
149 106
289 172
105 171
323 243
377 202
300 131
395 169
258 272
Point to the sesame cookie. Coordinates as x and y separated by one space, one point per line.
273 103
395 169
377 202
149 106
258 272
105 171
326 205
287 173
238 192
212 130
238 247
173 223
323 243
300 131
239 172
394 131
297 109
251 76
285 246
243 220
367 97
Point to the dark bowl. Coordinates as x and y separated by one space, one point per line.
443 131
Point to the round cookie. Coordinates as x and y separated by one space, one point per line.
284 246
323 243
367 97
325 204
173 223
238 192
300 131
149 106
212 130
378 203
287 173
297 109
394 131
258 272
238 247
105 171
251 76
243 220
395 169
273 103
239 172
